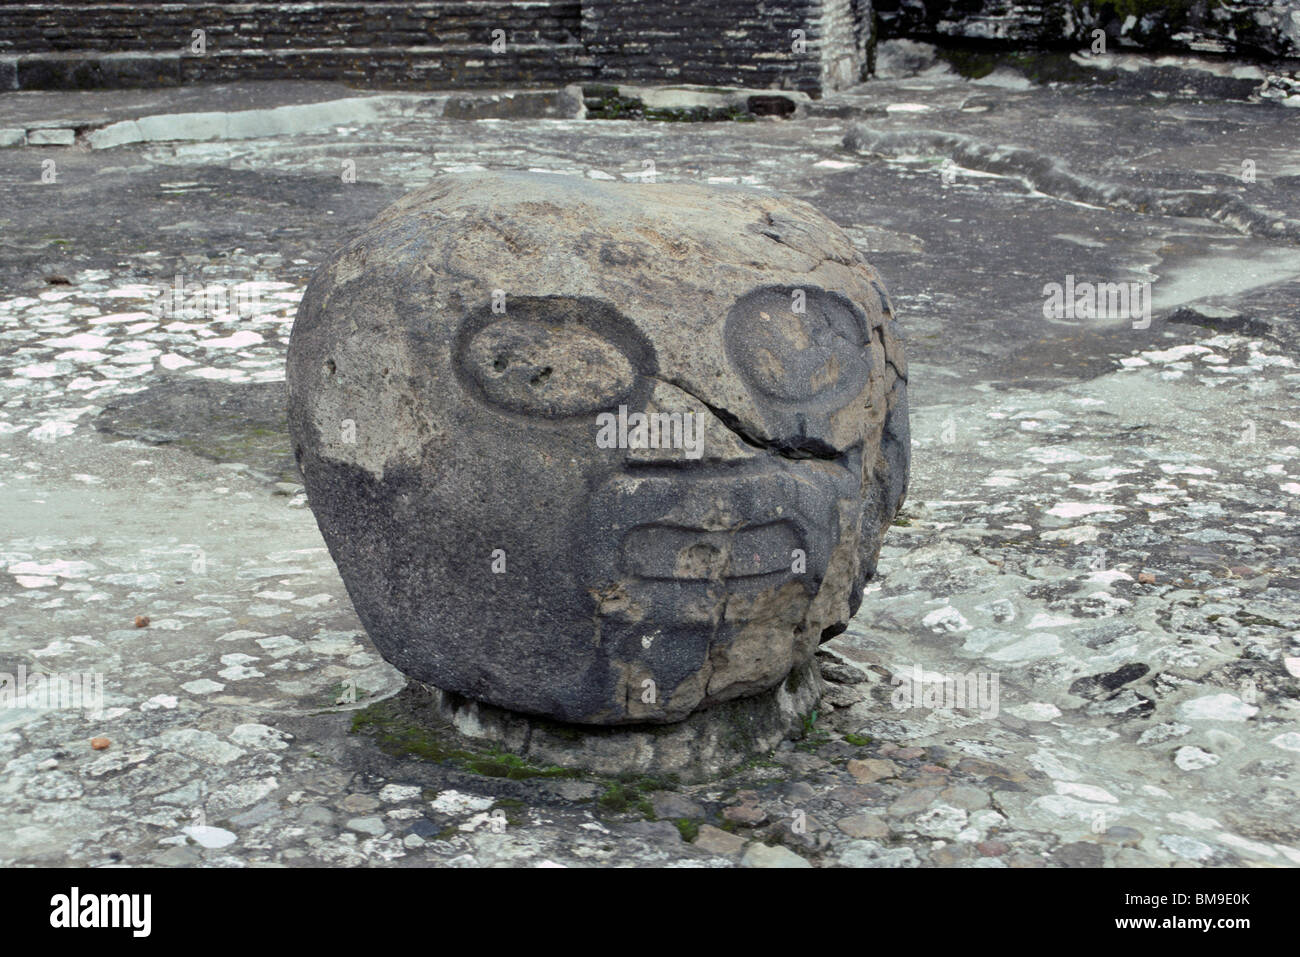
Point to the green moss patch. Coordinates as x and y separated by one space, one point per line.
401 735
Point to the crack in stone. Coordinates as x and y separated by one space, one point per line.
798 448
771 232
879 333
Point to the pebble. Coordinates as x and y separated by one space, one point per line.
863 826
1216 707
210 837
395 793
855 796
761 855
661 832
872 854
1003 776
1194 759
201 745
1119 834
366 825
903 754
714 840
1188 848
950 855
1287 741
914 801
746 811
177 857
942 821
1078 854
358 803
871 770
670 804
99 744
455 802
965 797
798 792
316 814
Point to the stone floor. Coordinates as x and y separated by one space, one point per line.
1104 515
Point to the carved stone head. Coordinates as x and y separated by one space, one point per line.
604 452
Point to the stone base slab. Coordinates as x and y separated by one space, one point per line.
705 745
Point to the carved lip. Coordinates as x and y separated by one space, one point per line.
673 552
688 528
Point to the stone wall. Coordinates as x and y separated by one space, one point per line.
1252 28
750 43
231 27
725 42
421 45
807 45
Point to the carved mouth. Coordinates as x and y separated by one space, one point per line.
679 528
669 552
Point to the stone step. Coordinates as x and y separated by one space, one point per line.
119 28
418 67
81 45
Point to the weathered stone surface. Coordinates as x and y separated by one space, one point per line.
491 546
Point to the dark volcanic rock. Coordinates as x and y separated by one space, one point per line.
456 375
1094 686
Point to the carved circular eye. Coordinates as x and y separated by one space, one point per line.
795 344
547 369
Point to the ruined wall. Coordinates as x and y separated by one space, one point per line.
432 44
270 26
1254 28
842 59
80 43
725 42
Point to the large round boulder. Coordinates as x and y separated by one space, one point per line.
604 452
